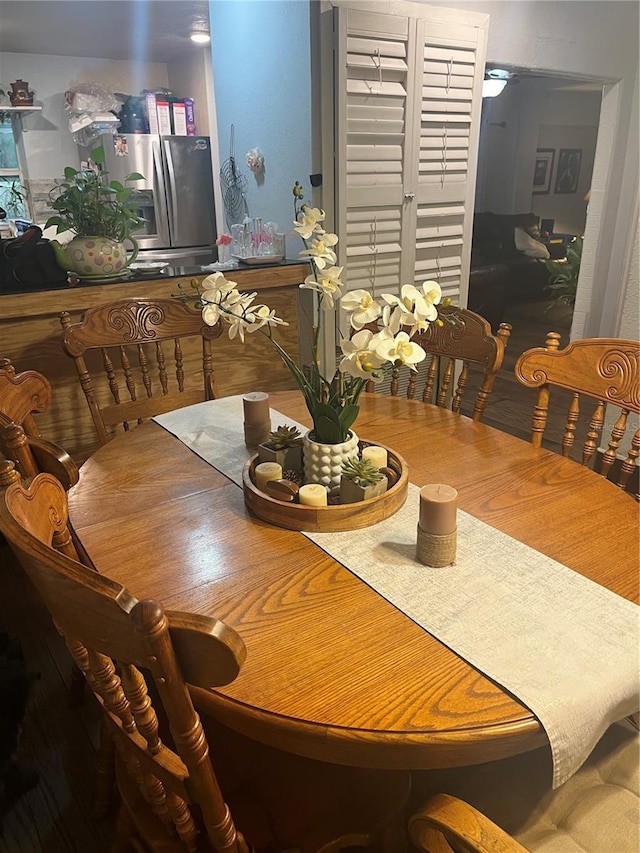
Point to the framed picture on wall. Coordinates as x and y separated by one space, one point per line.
542 170
568 170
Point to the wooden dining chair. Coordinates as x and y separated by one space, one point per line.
23 395
508 806
137 358
455 347
141 663
606 373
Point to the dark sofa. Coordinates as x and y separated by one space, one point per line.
500 275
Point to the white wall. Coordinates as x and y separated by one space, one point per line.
261 61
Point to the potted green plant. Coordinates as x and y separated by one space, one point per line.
360 481
564 274
284 446
101 214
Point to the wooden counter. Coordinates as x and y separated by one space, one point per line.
30 335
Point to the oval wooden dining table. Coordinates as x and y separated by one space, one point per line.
334 671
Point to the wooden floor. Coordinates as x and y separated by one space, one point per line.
56 816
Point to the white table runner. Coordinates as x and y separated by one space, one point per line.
565 646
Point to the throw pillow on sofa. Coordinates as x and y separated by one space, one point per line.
531 247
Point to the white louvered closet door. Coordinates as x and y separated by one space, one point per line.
406 97
449 99
375 55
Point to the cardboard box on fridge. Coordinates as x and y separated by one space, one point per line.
190 116
179 118
164 118
152 115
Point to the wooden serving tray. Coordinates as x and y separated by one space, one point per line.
295 516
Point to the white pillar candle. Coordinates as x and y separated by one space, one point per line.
376 455
265 472
313 494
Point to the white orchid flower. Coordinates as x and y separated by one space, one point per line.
262 315
363 307
237 326
319 251
308 218
360 360
409 309
210 314
432 292
398 349
328 284
217 282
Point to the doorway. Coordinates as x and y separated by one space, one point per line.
536 155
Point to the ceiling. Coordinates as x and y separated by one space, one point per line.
153 30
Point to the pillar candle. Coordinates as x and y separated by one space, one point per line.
266 471
256 407
438 507
313 494
376 455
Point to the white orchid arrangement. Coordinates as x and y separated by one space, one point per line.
367 355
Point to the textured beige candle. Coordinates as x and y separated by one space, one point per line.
313 494
256 407
266 471
438 507
376 455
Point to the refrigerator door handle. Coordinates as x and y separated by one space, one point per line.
159 194
172 193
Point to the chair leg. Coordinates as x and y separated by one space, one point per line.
76 688
105 773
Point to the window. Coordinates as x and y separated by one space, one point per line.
11 188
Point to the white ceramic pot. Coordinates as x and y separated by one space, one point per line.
95 257
323 462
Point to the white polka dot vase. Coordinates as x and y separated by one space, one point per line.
96 257
323 462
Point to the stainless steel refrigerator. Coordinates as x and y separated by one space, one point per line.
175 198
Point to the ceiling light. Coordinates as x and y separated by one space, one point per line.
200 31
495 79
492 88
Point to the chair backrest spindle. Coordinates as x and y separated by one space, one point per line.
599 373
463 339
135 329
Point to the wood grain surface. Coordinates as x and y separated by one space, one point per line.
334 671
31 336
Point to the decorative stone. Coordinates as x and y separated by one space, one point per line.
282 490
323 462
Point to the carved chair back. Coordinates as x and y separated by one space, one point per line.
112 637
21 396
146 354
170 792
603 371
454 347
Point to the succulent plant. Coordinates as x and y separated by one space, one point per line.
283 437
361 471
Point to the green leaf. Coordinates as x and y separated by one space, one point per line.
325 411
348 416
327 431
97 155
134 176
70 172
